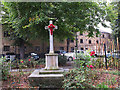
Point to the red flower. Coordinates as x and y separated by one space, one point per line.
87 66
21 61
91 66
92 52
29 60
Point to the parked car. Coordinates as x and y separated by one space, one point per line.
115 54
60 52
34 56
72 55
10 56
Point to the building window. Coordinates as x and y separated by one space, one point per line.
109 36
72 41
89 41
81 33
6 48
37 48
72 49
6 34
86 48
61 48
103 36
81 40
97 41
82 48
96 35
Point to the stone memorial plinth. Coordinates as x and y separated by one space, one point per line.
51 61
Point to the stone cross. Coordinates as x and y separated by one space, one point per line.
51 28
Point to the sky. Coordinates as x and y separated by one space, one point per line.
103 29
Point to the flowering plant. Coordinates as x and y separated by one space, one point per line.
29 59
21 61
86 60
92 53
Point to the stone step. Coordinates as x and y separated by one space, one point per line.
47 78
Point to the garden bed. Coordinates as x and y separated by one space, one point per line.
20 80
109 78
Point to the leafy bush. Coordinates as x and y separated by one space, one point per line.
102 85
27 63
62 60
41 61
77 78
4 67
82 75
84 60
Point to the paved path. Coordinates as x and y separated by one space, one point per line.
69 65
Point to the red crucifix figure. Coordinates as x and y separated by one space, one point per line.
51 28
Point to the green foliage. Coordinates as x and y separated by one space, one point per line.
82 75
116 72
28 20
62 60
41 61
4 67
102 85
113 62
113 10
84 59
27 63
78 78
110 81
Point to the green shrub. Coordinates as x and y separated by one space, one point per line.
62 60
27 63
41 61
4 67
82 74
102 85
77 78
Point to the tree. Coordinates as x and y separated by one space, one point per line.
113 10
29 19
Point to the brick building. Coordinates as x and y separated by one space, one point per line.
83 43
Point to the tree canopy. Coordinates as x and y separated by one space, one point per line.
113 16
28 19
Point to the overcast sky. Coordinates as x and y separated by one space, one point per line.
103 29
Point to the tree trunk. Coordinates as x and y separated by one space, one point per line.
22 50
68 43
